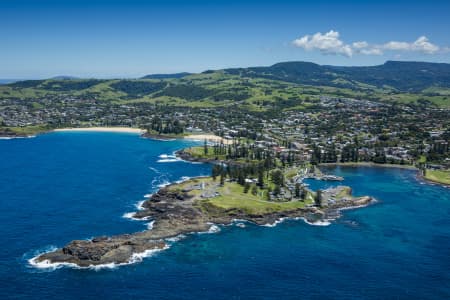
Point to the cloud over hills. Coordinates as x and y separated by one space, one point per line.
330 43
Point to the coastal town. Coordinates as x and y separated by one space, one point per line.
225 149
333 130
261 160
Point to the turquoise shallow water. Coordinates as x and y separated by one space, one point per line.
63 186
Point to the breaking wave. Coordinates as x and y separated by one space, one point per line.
135 258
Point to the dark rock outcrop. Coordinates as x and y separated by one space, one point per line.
173 212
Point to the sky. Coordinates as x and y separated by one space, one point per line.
132 38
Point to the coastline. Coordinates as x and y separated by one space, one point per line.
419 175
209 138
368 164
422 178
173 211
101 129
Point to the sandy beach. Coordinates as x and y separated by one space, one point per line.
103 129
209 137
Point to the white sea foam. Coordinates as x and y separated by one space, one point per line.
165 183
318 223
147 195
167 156
167 160
213 229
130 216
16 137
183 179
280 220
150 225
325 222
176 238
47 265
135 258
140 204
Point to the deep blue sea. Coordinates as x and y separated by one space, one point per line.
64 186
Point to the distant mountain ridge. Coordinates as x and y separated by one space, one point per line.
166 76
400 75
404 76
64 77
8 81
286 83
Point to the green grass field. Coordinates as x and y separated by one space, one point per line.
232 197
438 176
218 89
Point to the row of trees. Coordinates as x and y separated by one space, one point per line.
171 126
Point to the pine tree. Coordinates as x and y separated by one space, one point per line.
268 194
260 177
205 147
297 190
277 190
254 190
318 198
222 178
246 187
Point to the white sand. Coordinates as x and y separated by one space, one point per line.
209 137
104 129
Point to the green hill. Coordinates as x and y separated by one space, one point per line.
288 85
402 76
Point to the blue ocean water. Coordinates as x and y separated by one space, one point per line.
63 186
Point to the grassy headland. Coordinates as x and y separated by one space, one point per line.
438 176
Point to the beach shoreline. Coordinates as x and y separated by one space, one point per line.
209 138
101 129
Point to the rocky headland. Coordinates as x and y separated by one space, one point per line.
182 209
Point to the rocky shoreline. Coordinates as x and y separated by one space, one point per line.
186 156
158 137
175 212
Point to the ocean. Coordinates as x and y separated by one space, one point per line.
76 185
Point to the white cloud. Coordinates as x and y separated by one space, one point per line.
422 44
330 43
360 45
371 51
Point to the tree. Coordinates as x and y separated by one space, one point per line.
318 198
277 190
240 176
254 190
260 177
297 190
205 147
268 194
303 193
246 187
278 177
222 178
216 170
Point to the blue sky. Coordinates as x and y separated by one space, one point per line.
113 38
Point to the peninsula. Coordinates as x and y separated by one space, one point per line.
198 204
